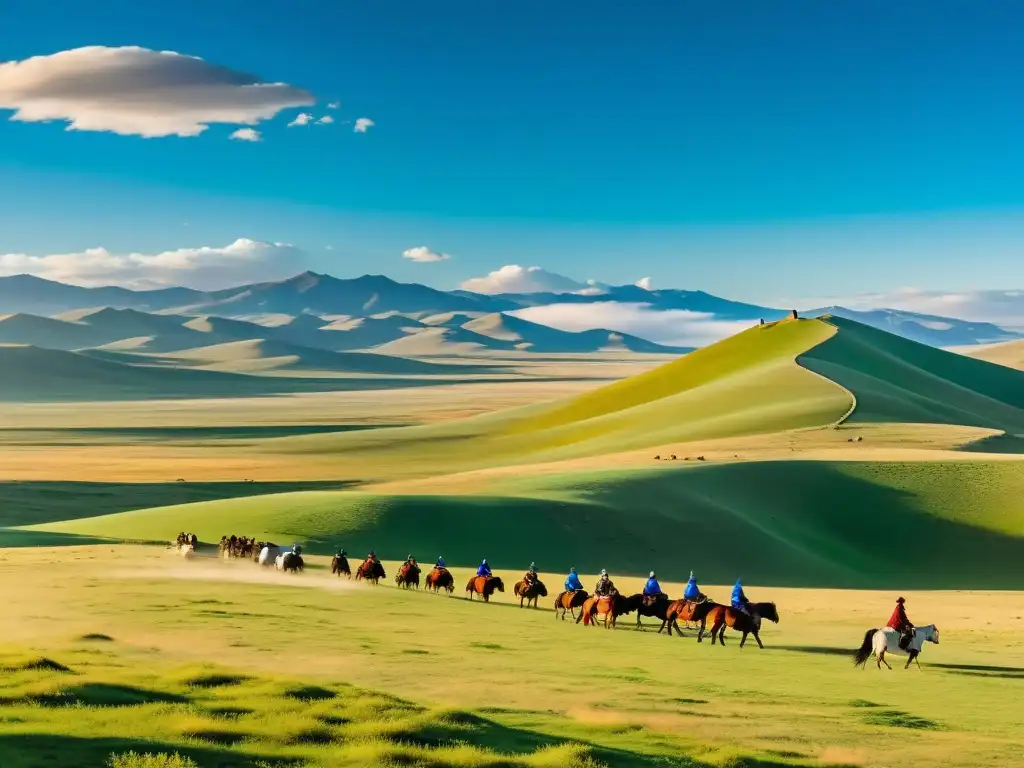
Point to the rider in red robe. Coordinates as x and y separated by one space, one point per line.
901 623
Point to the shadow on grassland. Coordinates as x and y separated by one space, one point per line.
28 750
38 502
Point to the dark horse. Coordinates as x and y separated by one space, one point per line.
371 570
608 608
440 578
339 565
290 561
687 610
722 616
570 601
485 586
408 576
655 607
529 592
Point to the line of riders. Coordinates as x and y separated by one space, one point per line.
695 607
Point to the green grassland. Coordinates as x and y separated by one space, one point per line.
110 651
801 523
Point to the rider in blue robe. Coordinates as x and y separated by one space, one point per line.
572 581
484 569
439 563
692 591
739 599
652 588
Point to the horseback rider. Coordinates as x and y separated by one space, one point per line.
902 624
484 569
652 589
605 587
572 582
440 564
341 553
740 601
296 549
411 562
692 592
530 577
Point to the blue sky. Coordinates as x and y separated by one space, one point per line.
763 151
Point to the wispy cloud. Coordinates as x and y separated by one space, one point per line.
206 267
136 91
679 328
333 105
423 255
363 124
513 278
301 119
246 134
325 120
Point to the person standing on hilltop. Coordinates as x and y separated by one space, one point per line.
901 624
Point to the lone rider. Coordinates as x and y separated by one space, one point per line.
484 569
692 591
572 582
605 587
530 577
739 599
901 624
652 589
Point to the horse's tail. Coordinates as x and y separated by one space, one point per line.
864 652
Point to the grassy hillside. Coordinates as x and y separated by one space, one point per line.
842 524
1009 354
898 380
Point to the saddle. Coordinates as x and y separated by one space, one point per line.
649 600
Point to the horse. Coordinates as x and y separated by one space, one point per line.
887 640
371 570
187 551
440 578
339 565
268 555
655 608
688 611
609 607
723 616
408 576
529 592
484 586
570 601
289 561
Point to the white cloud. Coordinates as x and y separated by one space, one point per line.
135 91
644 282
333 105
303 118
424 255
1002 307
674 327
325 120
513 278
246 134
243 261
363 124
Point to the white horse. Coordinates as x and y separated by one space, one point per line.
187 551
269 555
878 642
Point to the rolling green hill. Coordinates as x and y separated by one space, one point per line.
897 380
842 524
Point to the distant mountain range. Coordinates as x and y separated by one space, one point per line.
375 312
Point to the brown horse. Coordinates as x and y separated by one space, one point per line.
484 586
339 565
408 576
440 578
529 592
690 611
722 616
608 608
371 570
570 601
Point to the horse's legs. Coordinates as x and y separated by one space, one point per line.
910 660
744 639
757 636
